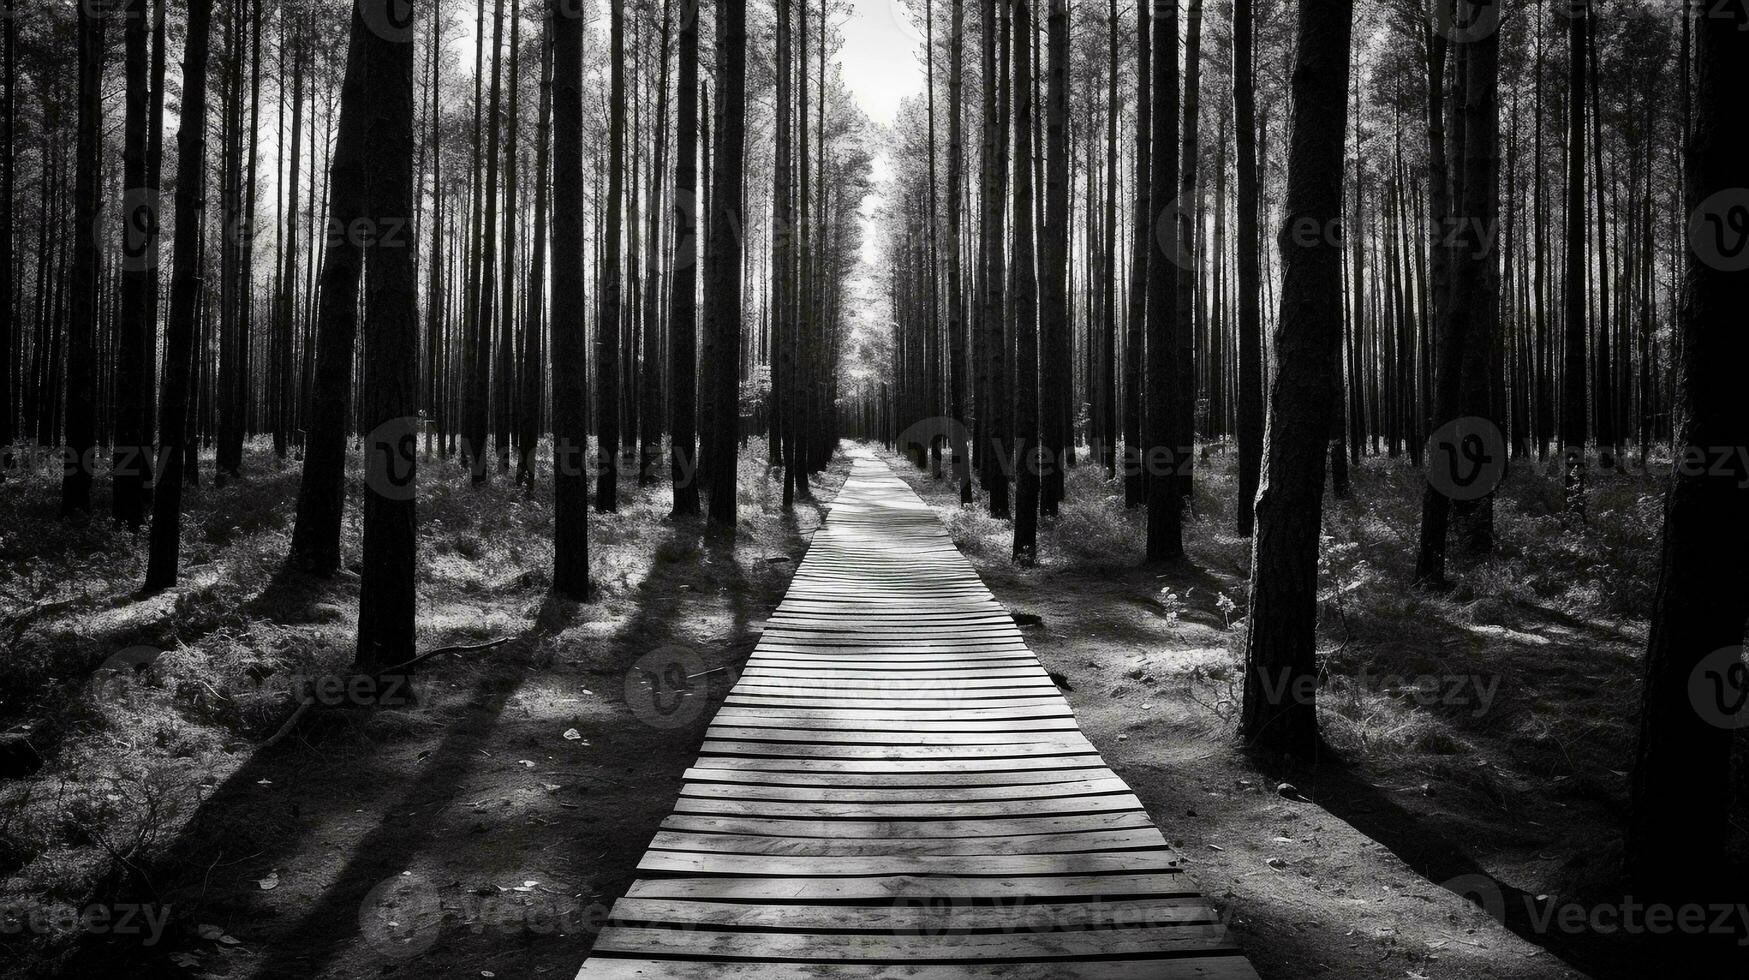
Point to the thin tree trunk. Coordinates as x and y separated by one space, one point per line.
1142 247
164 559
607 361
529 419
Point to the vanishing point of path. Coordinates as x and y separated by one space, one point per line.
895 788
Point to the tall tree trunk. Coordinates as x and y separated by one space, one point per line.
529 419
82 325
373 162
9 360
956 300
1573 382
607 330
570 321
1189 226
1696 694
1054 325
1249 284
1107 399
1279 711
363 221
723 257
134 317
485 319
994 190
1163 455
164 559
1142 248
650 384
683 327
1459 465
1026 401
280 380
505 393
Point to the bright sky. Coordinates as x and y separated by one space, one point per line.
881 61
881 56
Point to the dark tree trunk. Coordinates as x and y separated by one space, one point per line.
607 360
1279 711
650 383
1696 696
995 413
162 565
1249 285
280 377
485 316
1135 342
1573 381
956 301
373 159
504 409
528 434
1053 325
1189 226
1026 421
1162 456
81 387
9 361
360 220
723 258
683 328
1472 301
570 321
134 317
1108 277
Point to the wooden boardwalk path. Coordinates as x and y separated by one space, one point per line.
895 788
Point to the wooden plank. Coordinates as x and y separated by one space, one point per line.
1102 840
938 794
891 888
700 774
1227 967
945 810
899 947
908 829
920 914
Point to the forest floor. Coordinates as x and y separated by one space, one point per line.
1467 822
483 831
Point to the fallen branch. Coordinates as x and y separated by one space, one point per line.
290 723
467 648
